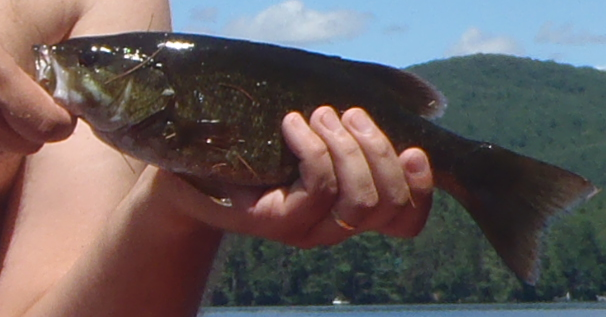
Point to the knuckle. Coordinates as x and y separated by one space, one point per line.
331 186
342 142
317 151
348 147
269 210
367 199
381 148
324 184
399 197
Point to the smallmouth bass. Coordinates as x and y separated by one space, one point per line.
211 108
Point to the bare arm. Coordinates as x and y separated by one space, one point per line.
85 235
149 260
74 242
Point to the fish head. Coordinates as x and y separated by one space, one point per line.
109 86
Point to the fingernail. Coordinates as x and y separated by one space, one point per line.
330 120
361 122
416 164
295 120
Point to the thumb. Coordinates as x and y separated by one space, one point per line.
29 116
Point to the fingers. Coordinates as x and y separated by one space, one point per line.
418 176
29 117
316 165
357 193
353 175
412 219
384 165
284 214
349 171
373 181
295 209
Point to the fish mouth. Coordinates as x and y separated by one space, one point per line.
54 78
44 71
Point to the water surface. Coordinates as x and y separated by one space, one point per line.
459 310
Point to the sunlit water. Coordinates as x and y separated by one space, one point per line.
517 310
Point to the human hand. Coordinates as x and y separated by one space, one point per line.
378 191
28 115
346 167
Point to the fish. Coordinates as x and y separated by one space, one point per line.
210 109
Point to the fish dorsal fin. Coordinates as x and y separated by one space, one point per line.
418 95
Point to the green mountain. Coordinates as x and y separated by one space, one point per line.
550 111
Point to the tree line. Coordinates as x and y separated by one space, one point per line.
550 111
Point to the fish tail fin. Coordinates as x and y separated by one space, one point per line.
512 198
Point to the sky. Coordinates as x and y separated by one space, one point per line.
402 33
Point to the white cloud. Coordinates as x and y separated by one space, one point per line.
567 35
601 67
475 41
290 22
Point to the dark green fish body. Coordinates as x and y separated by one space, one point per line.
211 108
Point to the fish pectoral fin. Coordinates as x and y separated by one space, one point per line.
512 198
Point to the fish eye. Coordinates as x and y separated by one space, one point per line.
88 58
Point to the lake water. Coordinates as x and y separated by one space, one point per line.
509 310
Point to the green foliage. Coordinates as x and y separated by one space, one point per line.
546 110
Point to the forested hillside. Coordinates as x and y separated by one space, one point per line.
550 111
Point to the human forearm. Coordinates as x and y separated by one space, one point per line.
150 260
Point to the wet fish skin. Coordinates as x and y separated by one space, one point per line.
260 89
211 108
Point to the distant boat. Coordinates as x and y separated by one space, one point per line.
340 301
600 298
566 298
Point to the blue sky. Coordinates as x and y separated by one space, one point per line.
401 33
